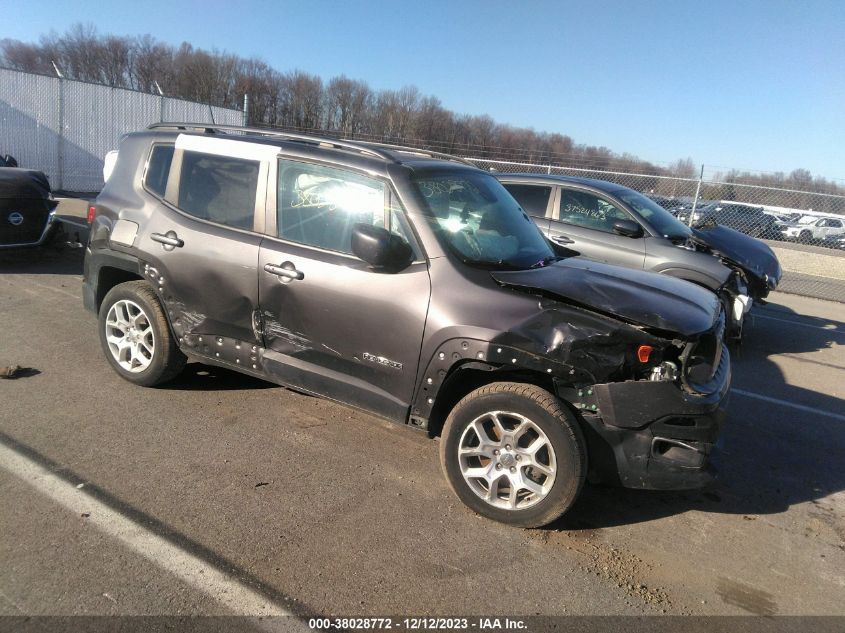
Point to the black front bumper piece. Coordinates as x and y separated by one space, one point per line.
652 434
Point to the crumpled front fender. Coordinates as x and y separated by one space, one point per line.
571 346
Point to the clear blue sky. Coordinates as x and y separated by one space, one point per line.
757 85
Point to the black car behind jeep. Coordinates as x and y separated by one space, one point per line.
410 285
27 208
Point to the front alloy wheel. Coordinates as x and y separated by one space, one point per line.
514 453
507 460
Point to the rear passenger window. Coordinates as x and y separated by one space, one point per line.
158 168
319 206
532 199
219 189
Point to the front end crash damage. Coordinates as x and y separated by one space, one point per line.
753 260
659 432
734 289
651 403
651 420
737 301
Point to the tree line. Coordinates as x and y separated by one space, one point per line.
341 106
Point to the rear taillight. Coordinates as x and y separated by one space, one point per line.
91 211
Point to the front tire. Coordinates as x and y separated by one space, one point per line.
135 336
513 453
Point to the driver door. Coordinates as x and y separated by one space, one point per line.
582 221
332 325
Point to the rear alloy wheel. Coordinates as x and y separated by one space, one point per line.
130 336
513 453
135 336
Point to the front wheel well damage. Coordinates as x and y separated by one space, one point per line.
470 376
466 378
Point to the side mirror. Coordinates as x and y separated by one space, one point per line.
380 248
628 228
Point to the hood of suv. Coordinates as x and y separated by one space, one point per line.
636 296
752 255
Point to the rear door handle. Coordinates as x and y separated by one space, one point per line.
168 239
562 239
286 270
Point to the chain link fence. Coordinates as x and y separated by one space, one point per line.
64 128
806 230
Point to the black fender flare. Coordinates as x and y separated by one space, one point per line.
465 353
95 262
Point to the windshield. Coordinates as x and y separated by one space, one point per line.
663 222
482 222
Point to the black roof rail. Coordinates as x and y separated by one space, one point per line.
365 147
288 136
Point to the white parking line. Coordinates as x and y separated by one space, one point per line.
200 575
832 330
786 403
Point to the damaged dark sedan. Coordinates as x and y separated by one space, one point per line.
610 223
410 285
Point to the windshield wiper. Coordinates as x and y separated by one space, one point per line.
550 259
505 264
498 264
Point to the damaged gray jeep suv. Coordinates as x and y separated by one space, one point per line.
413 286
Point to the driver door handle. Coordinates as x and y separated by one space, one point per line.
286 270
562 239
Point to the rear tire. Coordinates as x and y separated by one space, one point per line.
136 337
513 453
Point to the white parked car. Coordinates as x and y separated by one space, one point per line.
818 229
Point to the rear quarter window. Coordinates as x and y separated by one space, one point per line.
219 189
158 168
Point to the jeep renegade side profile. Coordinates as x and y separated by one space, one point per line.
413 286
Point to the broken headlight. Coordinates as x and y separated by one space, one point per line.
667 370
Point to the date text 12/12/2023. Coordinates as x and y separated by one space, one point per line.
419 624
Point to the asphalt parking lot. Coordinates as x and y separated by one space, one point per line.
222 494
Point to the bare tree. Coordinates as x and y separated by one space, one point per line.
264 87
683 168
114 60
346 101
81 53
31 58
302 100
